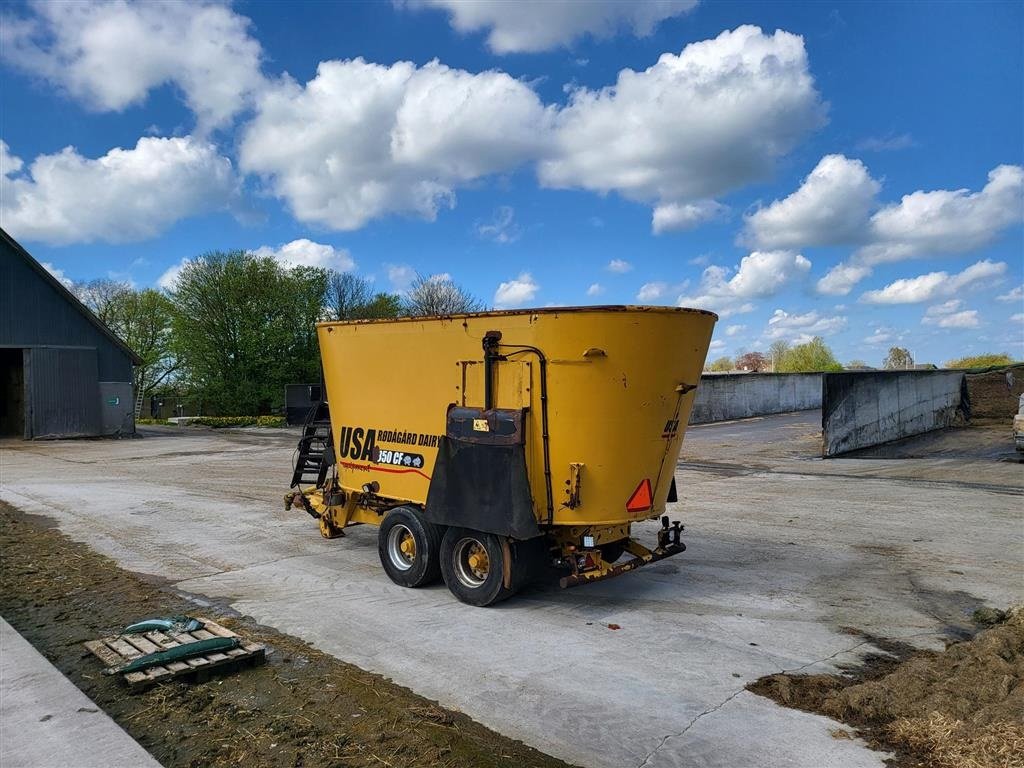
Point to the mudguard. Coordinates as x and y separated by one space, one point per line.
480 479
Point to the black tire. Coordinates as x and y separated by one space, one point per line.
612 552
421 565
470 580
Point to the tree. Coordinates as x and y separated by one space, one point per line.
753 361
101 296
244 326
438 295
721 364
813 356
350 297
897 358
142 319
776 352
855 365
980 361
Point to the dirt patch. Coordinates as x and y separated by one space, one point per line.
961 708
302 709
996 394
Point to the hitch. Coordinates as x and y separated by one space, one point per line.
670 535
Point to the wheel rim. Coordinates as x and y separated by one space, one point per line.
472 565
401 547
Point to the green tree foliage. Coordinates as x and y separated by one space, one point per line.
810 357
898 358
980 361
244 326
438 295
142 320
855 365
776 352
721 364
350 297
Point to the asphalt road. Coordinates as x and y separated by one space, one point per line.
785 550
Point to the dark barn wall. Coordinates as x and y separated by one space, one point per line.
33 314
63 392
76 377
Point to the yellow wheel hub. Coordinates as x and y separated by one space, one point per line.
408 546
479 562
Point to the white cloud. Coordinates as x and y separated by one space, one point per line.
595 289
361 140
692 126
540 25
761 274
841 278
58 273
802 328
400 276
652 291
951 315
515 293
716 345
619 266
502 227
109 55
124 196
169 279
732 330
831 207
1017 294
880 336
681 216
306 253
9 164
934 284
1017 318
942 222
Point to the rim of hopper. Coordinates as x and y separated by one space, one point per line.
537 311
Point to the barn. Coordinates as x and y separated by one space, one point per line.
63 373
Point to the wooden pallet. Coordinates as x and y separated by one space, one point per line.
121 649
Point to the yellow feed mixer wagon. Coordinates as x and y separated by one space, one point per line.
490 447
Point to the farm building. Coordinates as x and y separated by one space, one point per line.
63 373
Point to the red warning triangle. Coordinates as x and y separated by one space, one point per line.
642 498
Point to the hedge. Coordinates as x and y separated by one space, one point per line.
223 421
238 421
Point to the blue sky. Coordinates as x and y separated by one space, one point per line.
846 170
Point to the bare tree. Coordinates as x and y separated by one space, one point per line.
350 297
438 295
103 297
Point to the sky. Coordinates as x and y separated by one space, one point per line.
847 170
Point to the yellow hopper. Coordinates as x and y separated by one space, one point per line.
487 446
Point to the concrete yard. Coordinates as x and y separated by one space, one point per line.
46 721
787 552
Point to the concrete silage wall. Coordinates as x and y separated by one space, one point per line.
859 410
728 396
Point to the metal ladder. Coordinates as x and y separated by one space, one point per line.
139 399
315 450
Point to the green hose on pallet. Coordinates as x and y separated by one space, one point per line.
177 653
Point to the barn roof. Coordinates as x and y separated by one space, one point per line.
68 295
